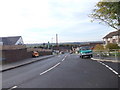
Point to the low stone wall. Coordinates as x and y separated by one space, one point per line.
12 47
14 53
9 56
38 49
43 53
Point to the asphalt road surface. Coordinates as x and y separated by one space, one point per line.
62 71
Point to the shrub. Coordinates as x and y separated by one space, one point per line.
112 46
99 47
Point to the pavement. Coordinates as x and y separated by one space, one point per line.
24 62
106 60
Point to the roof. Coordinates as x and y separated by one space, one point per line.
111 34
9 40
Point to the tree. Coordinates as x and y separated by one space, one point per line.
112 46
98 47
107 12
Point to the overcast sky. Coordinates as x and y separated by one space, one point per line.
38 21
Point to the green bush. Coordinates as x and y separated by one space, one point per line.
112 46
99 47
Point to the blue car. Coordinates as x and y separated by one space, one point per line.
85 51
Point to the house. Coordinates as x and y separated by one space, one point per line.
112 37
14 40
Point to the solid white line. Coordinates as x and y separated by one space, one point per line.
110 68
13 87
50 69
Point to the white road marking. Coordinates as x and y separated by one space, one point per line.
53 66
13 87
50 69
110 68
63 59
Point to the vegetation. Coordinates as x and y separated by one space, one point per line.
99 47
112 46
107 12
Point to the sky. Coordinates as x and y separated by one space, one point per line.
38 21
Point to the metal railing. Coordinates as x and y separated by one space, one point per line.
113 54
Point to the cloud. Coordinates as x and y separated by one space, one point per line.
40 20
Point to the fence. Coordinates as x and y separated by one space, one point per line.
113 54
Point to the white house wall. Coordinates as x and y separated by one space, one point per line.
20 41
1 43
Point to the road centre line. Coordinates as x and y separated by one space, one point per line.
13 87
110 68
44 71
53 66
50 68
63 59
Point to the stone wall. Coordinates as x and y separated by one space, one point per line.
9 56
19 52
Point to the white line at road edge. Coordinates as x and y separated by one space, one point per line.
50 69
110 68
13 87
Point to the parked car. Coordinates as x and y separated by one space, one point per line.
35 54
85 51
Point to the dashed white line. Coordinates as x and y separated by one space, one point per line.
63 59
53 66
50 69
110 68
13 87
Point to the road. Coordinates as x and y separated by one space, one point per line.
62 71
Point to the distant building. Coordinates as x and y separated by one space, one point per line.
14 40
112 37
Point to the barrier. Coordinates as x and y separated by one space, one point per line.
112 54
